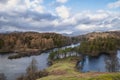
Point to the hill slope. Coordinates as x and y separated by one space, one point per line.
65 70
31 41
93 35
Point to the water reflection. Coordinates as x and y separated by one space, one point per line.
14 68
98 64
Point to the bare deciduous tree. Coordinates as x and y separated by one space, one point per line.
112 63
32 68
2 76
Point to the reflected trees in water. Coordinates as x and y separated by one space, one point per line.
113 63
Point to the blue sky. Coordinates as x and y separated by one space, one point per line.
80 5
61 16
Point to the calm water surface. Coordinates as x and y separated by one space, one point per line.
15 67
96 64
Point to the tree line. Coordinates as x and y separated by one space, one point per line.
31 41
100 45
63 53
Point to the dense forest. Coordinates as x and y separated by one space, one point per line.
28 43
103 43
100 42
32 42
92 44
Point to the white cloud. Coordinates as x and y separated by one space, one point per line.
55 22
22 5
65 32
13 5
62 1
35 5
3 19
114 4
62 12
84 27
105 21
88 21
9 29
30 15
98 16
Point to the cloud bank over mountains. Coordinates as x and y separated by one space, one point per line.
40 16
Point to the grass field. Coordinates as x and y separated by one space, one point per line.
65 70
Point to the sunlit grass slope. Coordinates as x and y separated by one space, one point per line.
65 70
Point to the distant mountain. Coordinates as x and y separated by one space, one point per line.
70 35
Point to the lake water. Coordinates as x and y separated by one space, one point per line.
15 67
95 64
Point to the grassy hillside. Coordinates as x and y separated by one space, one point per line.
65 70
94 44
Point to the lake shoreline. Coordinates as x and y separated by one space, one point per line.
13 68
29 53
65 69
